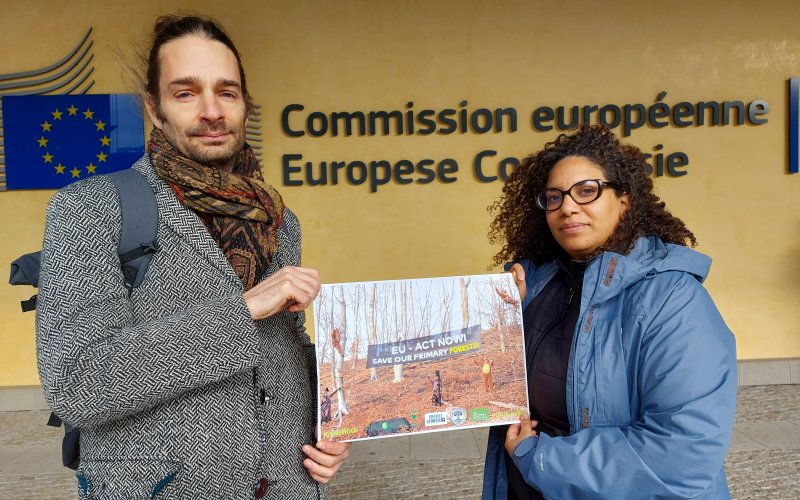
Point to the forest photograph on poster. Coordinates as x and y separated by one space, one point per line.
421 355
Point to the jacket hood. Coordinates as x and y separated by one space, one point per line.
651 255
611 272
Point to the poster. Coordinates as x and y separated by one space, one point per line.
422 355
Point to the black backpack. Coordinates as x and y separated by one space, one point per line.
137 245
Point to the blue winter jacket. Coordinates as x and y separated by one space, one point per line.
651 385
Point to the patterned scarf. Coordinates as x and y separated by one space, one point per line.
241 212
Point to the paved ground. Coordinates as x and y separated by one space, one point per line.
763 462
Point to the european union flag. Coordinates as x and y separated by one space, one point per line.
51 141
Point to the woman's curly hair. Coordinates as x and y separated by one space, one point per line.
521 224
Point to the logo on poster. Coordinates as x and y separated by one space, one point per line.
437 418
479 414
458 415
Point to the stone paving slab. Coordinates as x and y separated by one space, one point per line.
768 403
36 459
763 461
57 486
455 478
26 428
776 435
372 450
764 474
444 445
741 442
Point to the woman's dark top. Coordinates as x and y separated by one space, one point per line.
549 321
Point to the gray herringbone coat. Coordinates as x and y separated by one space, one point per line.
167 385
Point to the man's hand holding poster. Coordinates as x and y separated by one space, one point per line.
424 355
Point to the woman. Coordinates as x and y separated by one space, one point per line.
631 368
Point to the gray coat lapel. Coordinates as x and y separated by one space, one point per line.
183 222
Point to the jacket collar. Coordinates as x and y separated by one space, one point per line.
649 257
610 273
184 222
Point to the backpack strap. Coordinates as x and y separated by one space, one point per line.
137 242
25 271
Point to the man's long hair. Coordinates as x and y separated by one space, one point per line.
171 27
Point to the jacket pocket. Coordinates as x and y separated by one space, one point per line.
118 479
612 376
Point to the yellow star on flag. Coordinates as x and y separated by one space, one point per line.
105 140
57 114
75 172
91 168
100 125
46 126
73 111
42 142
59 168
88 114
48 158
101 157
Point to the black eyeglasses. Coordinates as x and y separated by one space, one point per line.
582 192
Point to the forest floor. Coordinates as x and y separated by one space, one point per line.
376 402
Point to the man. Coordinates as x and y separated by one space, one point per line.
436 397
486 369
199 383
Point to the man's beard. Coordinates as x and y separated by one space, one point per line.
216 156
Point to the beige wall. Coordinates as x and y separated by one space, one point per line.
367 55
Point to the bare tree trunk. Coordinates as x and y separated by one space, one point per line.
325 324
411 318
398 368
503 338
496 312
464 302
503 328
372 327
499 320
338 379
447 302
339 341
356 311
425 316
